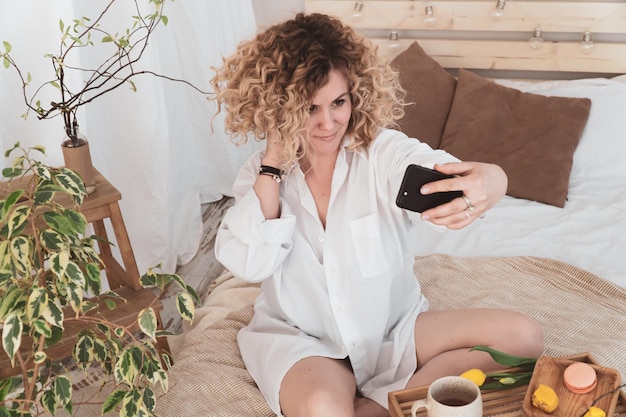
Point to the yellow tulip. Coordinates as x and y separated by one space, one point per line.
475 375
595 412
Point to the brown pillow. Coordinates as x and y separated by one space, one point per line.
532 137
430 90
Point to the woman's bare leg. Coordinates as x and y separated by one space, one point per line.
443 340
318 386
364 407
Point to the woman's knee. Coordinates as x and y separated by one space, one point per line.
318 386
527 336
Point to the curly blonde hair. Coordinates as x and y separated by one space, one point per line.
268 84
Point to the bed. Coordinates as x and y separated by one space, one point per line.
554 247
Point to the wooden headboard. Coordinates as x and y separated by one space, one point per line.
472 34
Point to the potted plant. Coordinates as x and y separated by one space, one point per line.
77 86
48 265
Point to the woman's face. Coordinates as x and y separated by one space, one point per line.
330 112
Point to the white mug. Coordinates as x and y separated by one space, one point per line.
451 396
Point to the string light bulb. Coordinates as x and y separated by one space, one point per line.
357 12
429 18
536 41
586 45
497 15
394 41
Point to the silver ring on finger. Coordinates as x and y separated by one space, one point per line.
470 206
467 212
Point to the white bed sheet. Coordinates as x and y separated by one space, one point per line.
590 231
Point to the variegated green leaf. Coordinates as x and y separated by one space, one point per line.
149 399
20 250
12 335
8 204
40 357
72 184
52 240
88 305
58 222
53 314
58 262
185 306
93 278
57 335
77 220
41 197
131 404
7 386
49 401
9 300
75 275
37 302
164 378
112 401
119 331
63 390
42 328
148 280
83 349
110 304
147 320
75 296
43 172
17 220
185 287
100 351
126 368
5 255
178 279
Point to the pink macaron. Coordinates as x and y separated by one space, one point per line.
580 378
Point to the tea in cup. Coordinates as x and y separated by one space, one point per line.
451 396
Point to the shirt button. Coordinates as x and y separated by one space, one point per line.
321 238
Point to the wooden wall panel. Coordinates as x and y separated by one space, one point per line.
562 16
465 34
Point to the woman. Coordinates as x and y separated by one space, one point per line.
341 320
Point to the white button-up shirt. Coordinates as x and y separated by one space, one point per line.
346 290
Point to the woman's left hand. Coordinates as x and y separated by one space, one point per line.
483 185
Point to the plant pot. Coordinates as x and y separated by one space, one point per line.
78 159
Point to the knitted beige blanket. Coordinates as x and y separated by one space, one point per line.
578 311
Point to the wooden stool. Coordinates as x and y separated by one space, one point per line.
100 205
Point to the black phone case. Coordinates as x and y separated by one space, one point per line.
409 196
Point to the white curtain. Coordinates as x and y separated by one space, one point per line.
155 145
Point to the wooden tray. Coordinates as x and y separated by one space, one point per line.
501 403
549 371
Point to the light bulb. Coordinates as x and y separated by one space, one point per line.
536 41
586 45
497 15
394 41
429 19
357 12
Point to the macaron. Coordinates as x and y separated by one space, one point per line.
580 378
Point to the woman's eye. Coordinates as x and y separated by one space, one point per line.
340 102
312 109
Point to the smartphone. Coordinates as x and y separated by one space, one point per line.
409 196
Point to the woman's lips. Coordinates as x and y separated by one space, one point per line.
327 137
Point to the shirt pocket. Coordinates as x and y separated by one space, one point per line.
369 246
